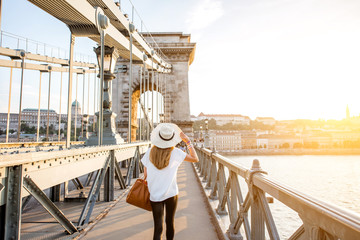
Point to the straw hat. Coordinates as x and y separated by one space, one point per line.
166 135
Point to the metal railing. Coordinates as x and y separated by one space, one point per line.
37 171
14 41
53 68
320 220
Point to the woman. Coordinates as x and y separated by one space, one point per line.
161 164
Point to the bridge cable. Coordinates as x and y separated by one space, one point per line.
8 114
94 100
59 130
76 105
48 110
83 105
38 115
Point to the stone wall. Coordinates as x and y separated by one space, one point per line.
175 89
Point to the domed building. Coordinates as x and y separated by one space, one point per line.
75 107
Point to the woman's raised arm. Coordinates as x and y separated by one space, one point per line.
192 156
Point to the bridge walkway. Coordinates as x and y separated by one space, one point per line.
192 220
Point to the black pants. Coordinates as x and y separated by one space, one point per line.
158 216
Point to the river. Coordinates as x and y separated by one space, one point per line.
334 179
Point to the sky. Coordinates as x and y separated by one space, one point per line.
286 59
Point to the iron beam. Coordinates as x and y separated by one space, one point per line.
68 132
13 203
21 92
97 192
40 67
49 206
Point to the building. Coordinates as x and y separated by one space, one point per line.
248 139
274 141
75 108
225 141
30 117
266 120
14 119
223 119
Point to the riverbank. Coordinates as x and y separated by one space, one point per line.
293 152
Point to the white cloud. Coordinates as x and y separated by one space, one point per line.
204 13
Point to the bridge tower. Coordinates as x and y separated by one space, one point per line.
180 53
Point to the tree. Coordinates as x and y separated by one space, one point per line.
285 145
311 145
24 127
297 145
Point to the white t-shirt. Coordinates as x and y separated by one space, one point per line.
162 183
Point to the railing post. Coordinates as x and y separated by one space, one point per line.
200 160
109 183
205 169
232 233
257 217
209 173
203 165
221 189
214 181
312 232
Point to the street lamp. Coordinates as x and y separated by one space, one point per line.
110 57
107 57
206 142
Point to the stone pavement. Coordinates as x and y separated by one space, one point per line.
192 220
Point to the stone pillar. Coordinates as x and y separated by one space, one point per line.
180 53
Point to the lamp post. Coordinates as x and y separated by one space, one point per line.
201 136
110 58
85 120
206 142
107 57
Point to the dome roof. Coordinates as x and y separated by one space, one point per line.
74 104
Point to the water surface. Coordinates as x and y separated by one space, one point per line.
334 179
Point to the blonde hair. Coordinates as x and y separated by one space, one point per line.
160 157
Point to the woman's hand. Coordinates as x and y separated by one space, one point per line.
185 138
192 157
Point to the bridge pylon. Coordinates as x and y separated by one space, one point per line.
173 86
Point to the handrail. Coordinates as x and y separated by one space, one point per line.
24 158
321 220
37 144
41 47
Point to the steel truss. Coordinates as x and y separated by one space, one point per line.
37 171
